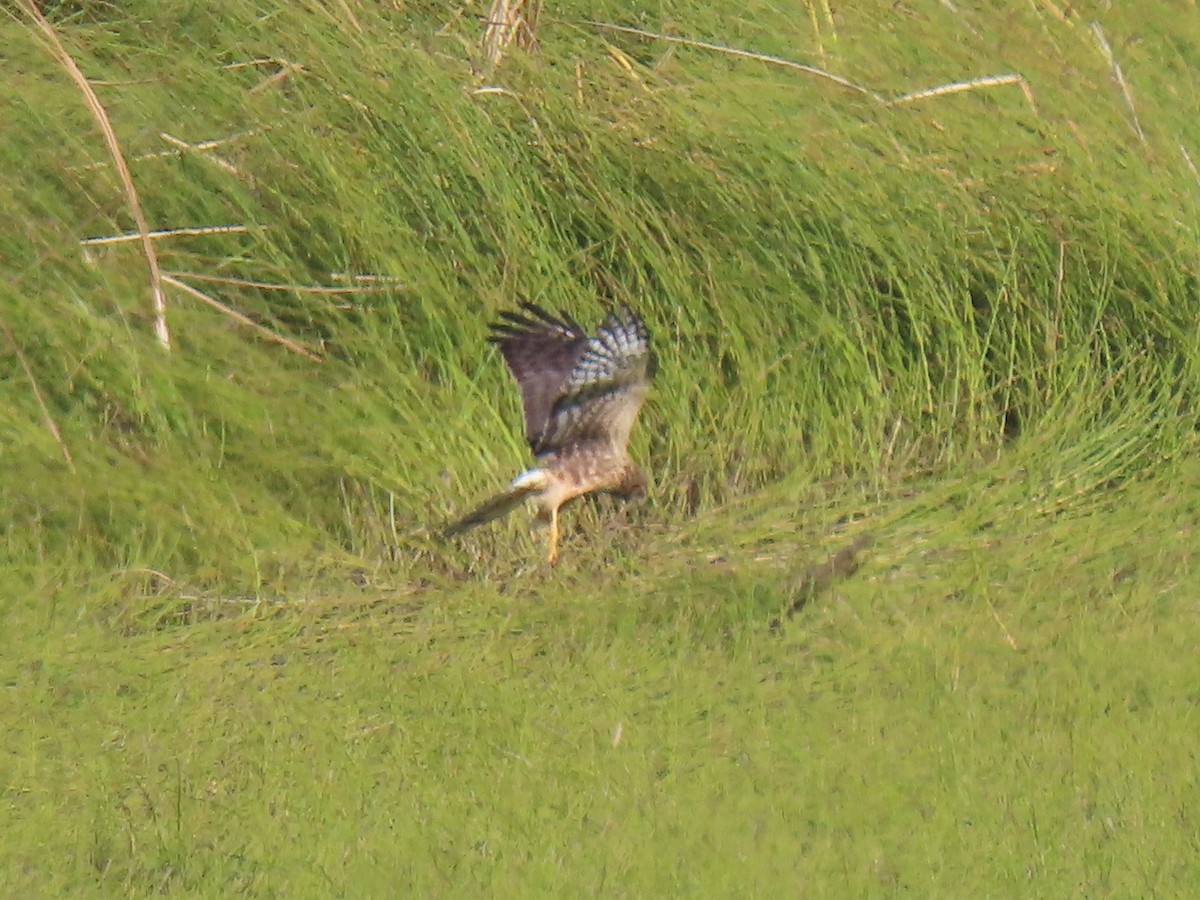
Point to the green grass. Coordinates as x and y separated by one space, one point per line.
999 707
237 662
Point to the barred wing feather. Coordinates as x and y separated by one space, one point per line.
607 387
542 352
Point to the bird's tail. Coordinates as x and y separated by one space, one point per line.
525 485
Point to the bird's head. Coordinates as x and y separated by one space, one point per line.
632 486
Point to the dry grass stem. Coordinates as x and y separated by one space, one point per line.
741 54
51 425
492 89
1063 16
349 14
1004 628
827 11
1187 158
367 279
1053 325
925 93
890 451
957 87
622 60
510 22
297 288
239 317
286 69
192 148
958 12
164 233
816 25
259 61
158 299
1106 49
184 146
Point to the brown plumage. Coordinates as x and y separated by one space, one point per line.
581 396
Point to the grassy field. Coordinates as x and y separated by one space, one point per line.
933 298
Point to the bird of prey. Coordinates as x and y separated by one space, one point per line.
581 396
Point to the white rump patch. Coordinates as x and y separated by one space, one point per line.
532 479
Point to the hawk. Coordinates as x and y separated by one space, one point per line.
581 396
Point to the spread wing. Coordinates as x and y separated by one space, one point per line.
573 387
607 387
541 352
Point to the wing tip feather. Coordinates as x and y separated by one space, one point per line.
529 319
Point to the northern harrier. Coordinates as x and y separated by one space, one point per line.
581 396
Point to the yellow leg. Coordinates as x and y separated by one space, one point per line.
553 557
